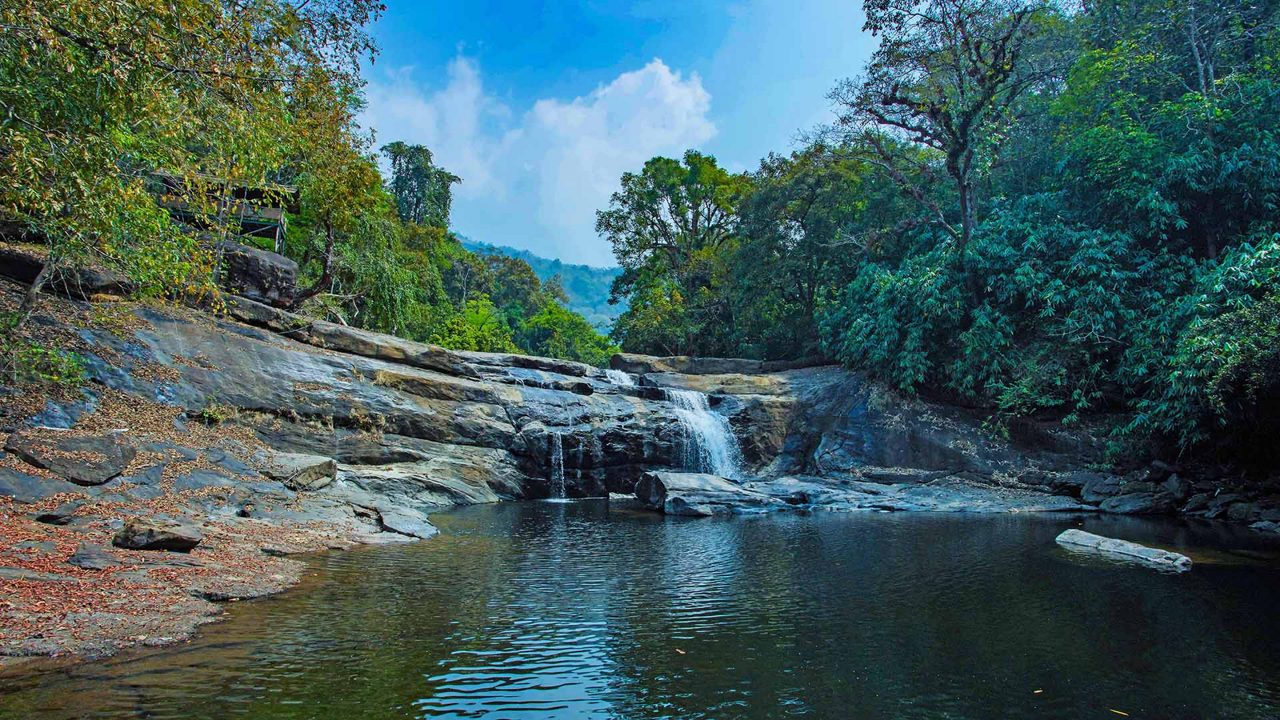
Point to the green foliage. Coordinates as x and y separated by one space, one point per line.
99 96
423 192
215 414
26 362
479 326
1122 171
586 288
558 332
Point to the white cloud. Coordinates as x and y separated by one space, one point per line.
536 181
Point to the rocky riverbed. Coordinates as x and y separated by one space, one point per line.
207 447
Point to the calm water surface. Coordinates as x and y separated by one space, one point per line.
576 611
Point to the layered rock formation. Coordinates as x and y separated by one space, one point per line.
259 433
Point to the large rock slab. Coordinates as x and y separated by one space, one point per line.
1123 549
84 459
350 340
23 263
157 534
700 495
26 488
92 557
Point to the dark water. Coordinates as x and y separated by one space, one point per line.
568 611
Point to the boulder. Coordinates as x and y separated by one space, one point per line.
84 460
700 495
1123 549
405 521
156 533
1139 503
92 557
259 275
23 263
298 471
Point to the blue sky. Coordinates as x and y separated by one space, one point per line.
541 106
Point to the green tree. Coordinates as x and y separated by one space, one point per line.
423 192
670 226
944 77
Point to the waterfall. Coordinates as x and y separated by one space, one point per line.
557 467
708 442
619 378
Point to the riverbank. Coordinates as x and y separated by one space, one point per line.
263 435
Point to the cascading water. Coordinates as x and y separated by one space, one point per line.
708 442
557 467
619 378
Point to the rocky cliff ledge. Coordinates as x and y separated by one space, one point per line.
205 447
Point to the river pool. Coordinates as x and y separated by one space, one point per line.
580 610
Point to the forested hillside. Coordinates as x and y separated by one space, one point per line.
221 110
1038 208
1035 207
586 288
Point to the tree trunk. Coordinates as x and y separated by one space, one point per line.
966 215
326 275
32 295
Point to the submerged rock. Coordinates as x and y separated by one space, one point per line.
1080 540
157 534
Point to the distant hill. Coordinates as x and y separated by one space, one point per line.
587 287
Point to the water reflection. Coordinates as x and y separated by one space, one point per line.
573 610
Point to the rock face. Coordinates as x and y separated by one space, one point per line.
23 264
157 534
259 275
84 460
1125 550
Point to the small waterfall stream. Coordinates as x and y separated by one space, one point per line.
619 378
709 444
557 467
707 441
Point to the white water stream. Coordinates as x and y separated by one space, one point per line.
708 442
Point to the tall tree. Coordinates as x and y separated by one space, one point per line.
423 191
944 76
667 213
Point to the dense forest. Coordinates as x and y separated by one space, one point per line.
1040 209
263 94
